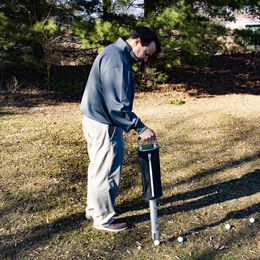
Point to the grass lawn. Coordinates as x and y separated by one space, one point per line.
210 167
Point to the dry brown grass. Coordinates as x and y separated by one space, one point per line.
210 165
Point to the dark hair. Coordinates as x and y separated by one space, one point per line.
146 35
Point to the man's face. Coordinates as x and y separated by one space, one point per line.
143 52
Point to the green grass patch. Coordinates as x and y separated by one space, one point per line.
176 101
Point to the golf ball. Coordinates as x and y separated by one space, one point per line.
252 220
180 239
227 226
156 242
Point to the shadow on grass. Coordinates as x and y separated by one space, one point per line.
39 235
6 113
238 214
236 188
70 182
233 241
225 74
139 203
216 247
218 193
30 98
29 203
233 130
228 165
247 185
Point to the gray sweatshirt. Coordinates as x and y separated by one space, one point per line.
109 93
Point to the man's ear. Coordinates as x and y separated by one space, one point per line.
136 41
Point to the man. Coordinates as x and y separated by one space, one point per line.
107 111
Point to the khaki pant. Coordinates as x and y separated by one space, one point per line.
106 151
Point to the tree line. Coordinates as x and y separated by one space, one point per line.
31 29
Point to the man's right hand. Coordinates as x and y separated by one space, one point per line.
148 135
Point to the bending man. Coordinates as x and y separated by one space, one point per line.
107 112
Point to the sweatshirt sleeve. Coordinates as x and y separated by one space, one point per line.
117 83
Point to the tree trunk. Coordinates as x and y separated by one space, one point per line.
37 50
106 6
149 7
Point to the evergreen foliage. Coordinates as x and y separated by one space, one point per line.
187 38
29 29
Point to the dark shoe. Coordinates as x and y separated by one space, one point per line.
113 227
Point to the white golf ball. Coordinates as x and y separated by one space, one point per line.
180 239
227 226
252 220
156 242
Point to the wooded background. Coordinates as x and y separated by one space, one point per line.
40 39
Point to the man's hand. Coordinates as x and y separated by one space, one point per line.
148 135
